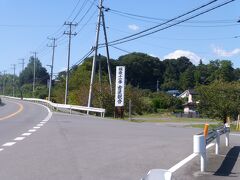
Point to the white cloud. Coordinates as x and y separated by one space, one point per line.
223 53
179 53
133 27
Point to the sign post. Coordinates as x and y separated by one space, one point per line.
119 91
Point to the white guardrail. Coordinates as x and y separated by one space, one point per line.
200 143
57 106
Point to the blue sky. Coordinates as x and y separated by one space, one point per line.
26 24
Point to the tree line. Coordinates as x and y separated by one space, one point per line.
144 76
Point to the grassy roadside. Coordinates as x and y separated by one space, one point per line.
167 117
213 126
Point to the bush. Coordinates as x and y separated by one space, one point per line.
164 101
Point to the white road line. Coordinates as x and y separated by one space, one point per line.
186 160
19 138
32 130
9 144
26 134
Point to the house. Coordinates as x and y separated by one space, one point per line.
190 106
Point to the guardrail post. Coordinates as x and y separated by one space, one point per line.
217 146
199 147
227 137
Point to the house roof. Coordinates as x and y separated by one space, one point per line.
186 93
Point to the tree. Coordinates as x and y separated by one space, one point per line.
225 71
173 69
219 100
142 70
187 79
41 75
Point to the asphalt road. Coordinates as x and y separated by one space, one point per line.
74 147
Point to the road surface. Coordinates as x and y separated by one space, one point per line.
61 146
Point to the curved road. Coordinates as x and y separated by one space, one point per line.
73 147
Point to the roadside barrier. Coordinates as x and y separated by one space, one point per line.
158 174
56 106
200 143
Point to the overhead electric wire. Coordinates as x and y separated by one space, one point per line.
120 49
218 23
84 57
132 37
87 22
80 10
73 10
90 7
154 27
130 15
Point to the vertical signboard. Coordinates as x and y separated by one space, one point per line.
120 86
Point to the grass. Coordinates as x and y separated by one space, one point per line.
212 126
166 117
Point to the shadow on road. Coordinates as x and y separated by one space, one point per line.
2 104
229 162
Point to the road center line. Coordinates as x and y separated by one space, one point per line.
9 144
15 113
26 134
32 130
19 138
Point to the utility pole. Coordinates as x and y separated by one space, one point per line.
53 45
157 85
13 80
100 73
4 81
34 73
70 34
22 63
107 50
95 54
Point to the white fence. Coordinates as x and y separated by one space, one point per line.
69 107
200 143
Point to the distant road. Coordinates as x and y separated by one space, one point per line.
74 147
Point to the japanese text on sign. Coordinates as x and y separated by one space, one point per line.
120 85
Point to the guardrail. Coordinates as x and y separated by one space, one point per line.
200 143
158 174
57 106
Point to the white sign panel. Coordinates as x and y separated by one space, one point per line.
120 86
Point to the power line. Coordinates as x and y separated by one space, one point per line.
90 7
120 49
80 10
73 10
161 24
130 15
132 37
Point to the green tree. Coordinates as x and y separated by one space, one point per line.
142 70
219 100
41 75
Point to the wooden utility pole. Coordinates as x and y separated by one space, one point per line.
95 55
70 34
53 45
34 73
13 80
22 63
107 51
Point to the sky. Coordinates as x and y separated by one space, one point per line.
25 26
